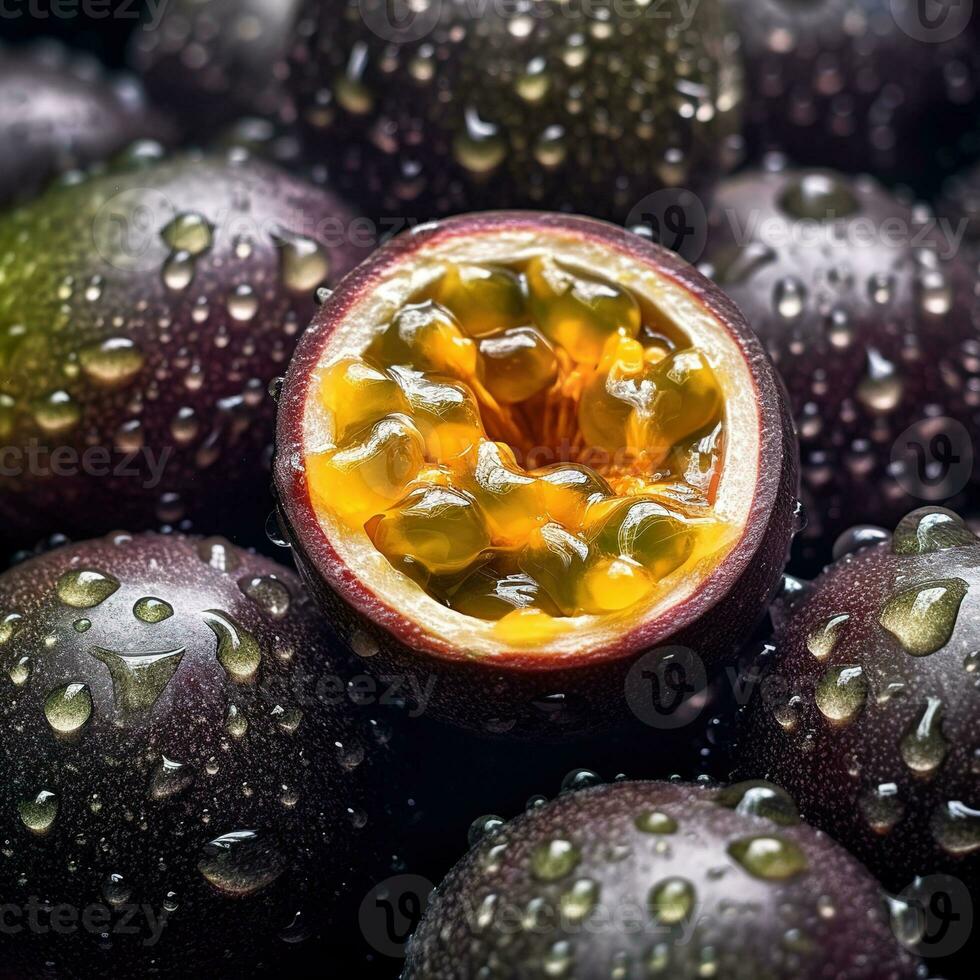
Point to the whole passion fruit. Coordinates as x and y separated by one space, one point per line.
518 450
212 60
428 109
867 307
867 86
869 709
143 313
658 879
175 795
60 112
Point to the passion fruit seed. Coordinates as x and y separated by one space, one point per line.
425 432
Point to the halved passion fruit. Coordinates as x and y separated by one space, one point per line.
518 450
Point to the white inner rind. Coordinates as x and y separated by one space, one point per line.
740 461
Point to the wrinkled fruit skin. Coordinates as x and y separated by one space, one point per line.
284 765
59 113
861 85
834 768
872 331
143 314
543 110
542 698
621 866
216 60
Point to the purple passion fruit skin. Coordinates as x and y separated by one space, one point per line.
868 712
865 86
513 683
143 314
213 60
426 112
164 747
682 880
866 307
61 112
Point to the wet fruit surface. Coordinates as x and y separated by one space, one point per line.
432 109
216 59
595 498
143 314
869 712
866 306
167 761
60 112
879 86
661 878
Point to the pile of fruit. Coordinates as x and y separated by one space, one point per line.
407 403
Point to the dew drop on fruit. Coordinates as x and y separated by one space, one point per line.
20 671
923 745
923 618
68 708
115 361
38 814
138 681
770 858
10 625
818 197
789 298
116 890
822 639
178 271
243 304
236 724
841 693
238 651
268 593
85 588
931 529
479 147
655 822
241 863
577 903
554 859
57 413
672 900
580 779
304 264
483 827
956 827
170 778
857 538
219 554
189 232
559 959
152 610
760 799
881 807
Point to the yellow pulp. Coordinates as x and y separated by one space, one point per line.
527 444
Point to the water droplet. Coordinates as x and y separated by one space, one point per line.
671 900
10 625
841 693
116 361
479 147
819 197
178 271
881 807
116 891
82 625
931 529
789 298
189 232
85 588
236 724
152 610
238 651
580 779
923 617
138 681
268 593
20 672
956 827
243 304
578 902
219 554
757 798
483 827
68 708
923 746
771 858
57 413
38 814
304 263
558 960
170 778
655 822
857 538
554 860
241 863
822 639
